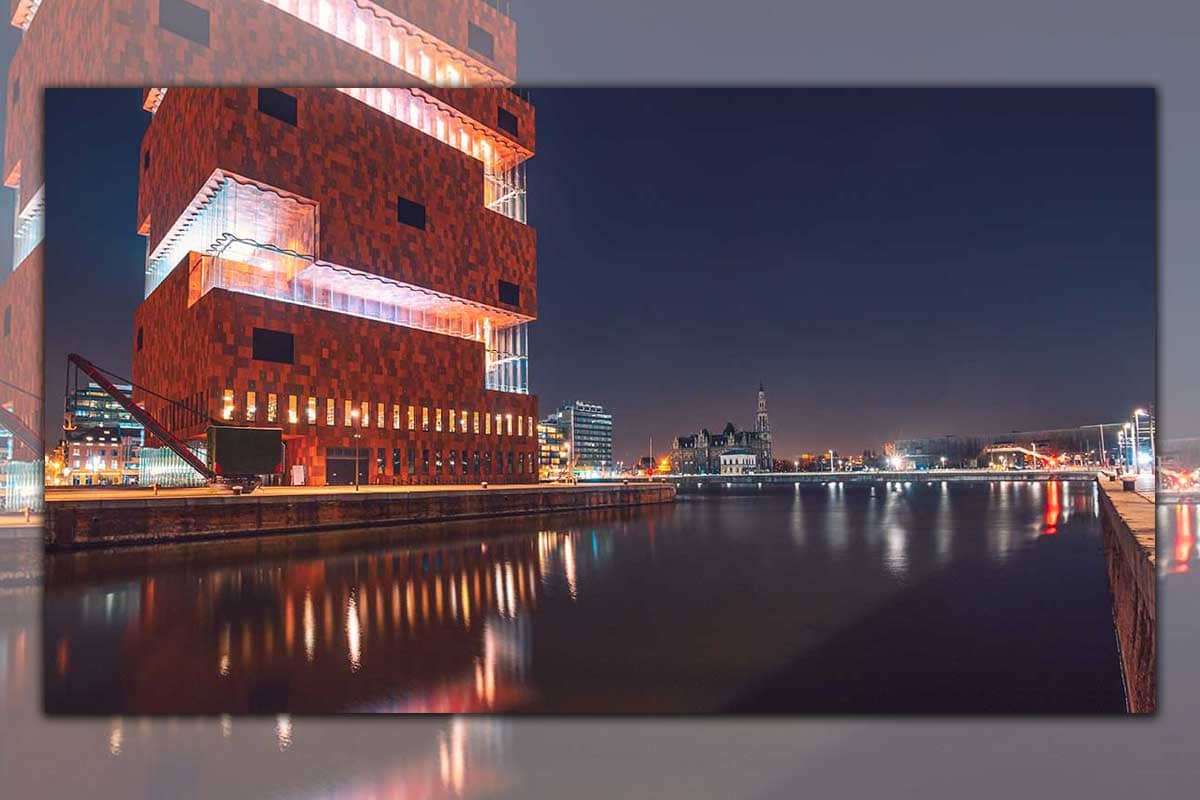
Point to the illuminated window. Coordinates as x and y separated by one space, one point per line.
379 416
487 420
293 413
529 429
312 411
365 413
347 413
227 404
251 406
476 422
396 421
329 407
462 422
520 426
437 420
412 418
425 418
453 421
272 406
508 431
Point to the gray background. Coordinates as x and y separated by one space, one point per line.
702 42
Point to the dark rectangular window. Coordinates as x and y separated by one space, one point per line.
506 120
275 346
465 469
184 19
146 159
139 339
412 461
510 293
277 104
395 461
481 41
410 213
380 456
425 461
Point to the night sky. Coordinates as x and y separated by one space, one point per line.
887 262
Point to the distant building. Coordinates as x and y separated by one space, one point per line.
587 430
100 456
738 461
552 449
92 407
700 453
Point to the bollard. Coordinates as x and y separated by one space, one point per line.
484 484
27 513
156 489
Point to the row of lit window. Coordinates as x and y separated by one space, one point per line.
400 418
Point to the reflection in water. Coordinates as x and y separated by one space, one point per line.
623 607
1176 538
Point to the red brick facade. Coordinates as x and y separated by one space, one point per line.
424 415
354 162
21 344
195 354
121 43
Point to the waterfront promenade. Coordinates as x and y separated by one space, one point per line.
758 480
116 517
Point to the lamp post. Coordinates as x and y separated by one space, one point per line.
831 466
1149 432
357 436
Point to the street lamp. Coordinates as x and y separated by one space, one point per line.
831 465
357 436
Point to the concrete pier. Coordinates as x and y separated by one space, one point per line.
116 518
1127 522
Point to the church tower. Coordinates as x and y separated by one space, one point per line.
763 427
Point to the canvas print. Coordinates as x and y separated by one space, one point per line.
602 401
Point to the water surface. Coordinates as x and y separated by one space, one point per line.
924 597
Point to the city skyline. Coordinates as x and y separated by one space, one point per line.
1047 191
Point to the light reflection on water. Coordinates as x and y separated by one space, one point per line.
765 601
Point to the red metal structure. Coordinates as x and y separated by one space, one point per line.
152 425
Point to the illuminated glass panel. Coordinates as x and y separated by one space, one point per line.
251 406
412 418
395 417
227 404
293 413
348 413
375 30
30 227
365 414
312 411
329 412
437 420
272 406
274 262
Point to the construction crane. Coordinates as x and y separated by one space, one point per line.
254 439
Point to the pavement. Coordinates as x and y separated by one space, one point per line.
84 494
